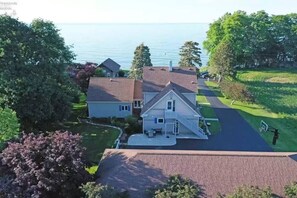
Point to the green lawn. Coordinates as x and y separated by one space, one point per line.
275 92
208 112
95 138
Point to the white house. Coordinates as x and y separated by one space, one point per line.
169 96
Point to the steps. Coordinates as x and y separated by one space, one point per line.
192 126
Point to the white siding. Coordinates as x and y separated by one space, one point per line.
158 111
105 110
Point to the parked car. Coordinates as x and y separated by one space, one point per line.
204 75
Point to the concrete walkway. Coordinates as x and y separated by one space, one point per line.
236 133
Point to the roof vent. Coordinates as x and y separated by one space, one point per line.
110 80
193 82
151 69
191 69
163 69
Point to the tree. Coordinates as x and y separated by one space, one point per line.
177 187
249 192
258 39
236 91
46 166
222 61
93 190
32 66
9 125
190 54
291 190
141 59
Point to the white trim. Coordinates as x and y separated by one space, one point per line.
160 119
171 109
196 113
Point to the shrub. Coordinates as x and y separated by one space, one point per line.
93 190
46 166
9 126
236 91
291 190
249 192
176 187
122 73
132 125
99 72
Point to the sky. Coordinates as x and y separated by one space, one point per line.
141 11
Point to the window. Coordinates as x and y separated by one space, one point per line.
169 105
160 120
137 104
124 108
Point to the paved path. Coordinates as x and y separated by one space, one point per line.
236 133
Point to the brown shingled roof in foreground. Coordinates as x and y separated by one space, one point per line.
156 78
213 171
113 89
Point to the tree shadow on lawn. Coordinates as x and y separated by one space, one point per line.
129 173
271 95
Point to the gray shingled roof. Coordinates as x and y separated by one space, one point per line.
156 78
114 89
169 87
111 64
213 171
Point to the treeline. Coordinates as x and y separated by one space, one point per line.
257 40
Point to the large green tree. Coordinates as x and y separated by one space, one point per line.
142 57
257 39
190 54
222 61
9 125
32 78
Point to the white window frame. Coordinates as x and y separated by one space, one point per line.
137 104
171 109
158 121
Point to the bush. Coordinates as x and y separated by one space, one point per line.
176 187
132 125
291 190
99 72
93 190
122 73
236 91
249 192
46 166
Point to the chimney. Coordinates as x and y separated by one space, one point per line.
170 66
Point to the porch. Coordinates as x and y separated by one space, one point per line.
156 140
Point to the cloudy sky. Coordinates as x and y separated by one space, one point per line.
142 11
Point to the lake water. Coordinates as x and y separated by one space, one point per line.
96 42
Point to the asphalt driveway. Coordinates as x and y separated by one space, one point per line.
236 133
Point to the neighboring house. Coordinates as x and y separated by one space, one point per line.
113 97
110 68
213 171
170 101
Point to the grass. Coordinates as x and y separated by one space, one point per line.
208 112
95 138
275 91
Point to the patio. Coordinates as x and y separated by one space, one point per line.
156 140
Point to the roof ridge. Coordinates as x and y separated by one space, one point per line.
206 153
